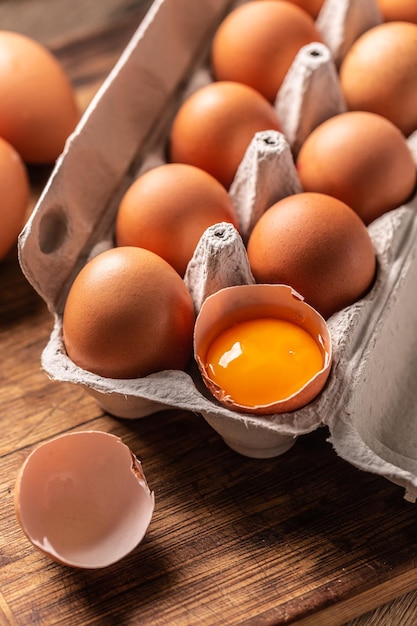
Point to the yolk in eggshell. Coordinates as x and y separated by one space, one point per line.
261 361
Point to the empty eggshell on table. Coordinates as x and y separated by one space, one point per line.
83 500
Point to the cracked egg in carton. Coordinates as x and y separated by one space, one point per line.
368 402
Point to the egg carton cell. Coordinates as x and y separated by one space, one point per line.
367 402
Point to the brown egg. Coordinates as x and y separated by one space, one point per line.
168 208
318 246
14 194
215 125
128 314
313 7
258 41
360 158
38 109
379 74
398 10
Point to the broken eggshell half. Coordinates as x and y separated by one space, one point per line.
233 305
83 500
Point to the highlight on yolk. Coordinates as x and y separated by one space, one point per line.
261 361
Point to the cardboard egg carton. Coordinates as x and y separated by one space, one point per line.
368 402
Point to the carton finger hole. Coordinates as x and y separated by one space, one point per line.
53 230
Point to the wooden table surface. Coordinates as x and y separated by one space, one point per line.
304 538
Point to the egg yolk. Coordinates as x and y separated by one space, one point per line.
262 361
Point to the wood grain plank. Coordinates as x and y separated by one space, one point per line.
6 616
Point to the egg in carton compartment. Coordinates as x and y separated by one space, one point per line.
368 402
